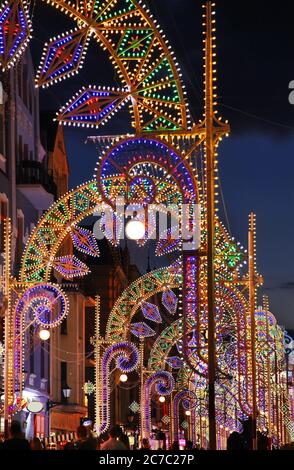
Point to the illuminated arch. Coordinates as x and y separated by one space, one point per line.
53 228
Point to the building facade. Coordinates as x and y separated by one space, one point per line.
26 191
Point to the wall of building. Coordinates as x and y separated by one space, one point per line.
23 174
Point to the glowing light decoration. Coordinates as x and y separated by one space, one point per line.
69 267
175 362
168 245
84 241
131 299
134 407
232 255
188 399
89 388
170 301
92 106
46 303
126 356
165 419
163 383
43 303
135 230
63 57
44 335
151 312
142 330
15 31
157 165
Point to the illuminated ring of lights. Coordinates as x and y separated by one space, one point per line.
117 163
41 301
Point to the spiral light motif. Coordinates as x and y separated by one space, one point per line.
164 383
188 400
126 356
45 304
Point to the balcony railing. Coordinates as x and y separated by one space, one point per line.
32 172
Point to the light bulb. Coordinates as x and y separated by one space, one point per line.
44 335
123 378
162 399
188 413
135 229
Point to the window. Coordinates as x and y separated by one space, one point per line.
63 327
25 85
42 360
30 103
20 149
26 152
3 216
63 378
39 426
19 81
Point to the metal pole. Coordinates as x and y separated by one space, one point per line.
8 351
210 194
252 306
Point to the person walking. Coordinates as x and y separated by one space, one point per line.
16 440
36 444
145 444
113 442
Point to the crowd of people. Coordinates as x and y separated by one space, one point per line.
116 439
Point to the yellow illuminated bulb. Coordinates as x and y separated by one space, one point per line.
188 413
162 399
123 378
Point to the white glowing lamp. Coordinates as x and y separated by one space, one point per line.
123 378
44 335
135 229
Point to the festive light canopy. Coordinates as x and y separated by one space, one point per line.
164 163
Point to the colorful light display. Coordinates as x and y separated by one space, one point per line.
164 383
84 241
15 31
151 312
164 163
63 57
170 301
126 356
69 267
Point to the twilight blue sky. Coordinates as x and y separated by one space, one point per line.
255 66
